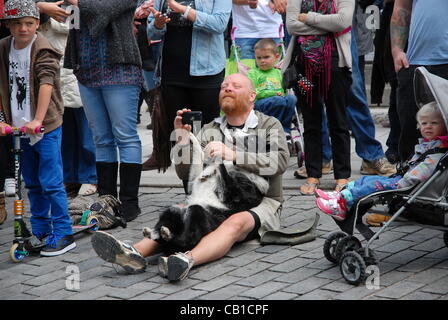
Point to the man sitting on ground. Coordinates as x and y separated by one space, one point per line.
236 99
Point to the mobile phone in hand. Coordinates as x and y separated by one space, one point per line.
194 119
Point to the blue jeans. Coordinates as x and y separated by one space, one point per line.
151 81
42 171
358 114
366 185
78 148
246 46
281 108
111 111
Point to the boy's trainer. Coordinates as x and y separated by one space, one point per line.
56 247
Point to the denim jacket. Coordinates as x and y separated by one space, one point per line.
208 56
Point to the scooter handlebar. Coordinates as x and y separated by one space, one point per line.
11 130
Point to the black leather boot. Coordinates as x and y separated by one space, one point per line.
130 174
107 173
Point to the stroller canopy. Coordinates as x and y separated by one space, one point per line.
428 88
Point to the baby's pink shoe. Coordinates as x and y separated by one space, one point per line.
337 208
328 195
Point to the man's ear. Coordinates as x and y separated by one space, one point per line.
252 96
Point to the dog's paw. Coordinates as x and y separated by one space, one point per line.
165 233
150 233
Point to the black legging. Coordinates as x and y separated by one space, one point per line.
176 98
335 104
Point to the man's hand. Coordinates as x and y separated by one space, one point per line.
32 126
182 130
54 10
217 149
400 59
3 127
159 19
399 32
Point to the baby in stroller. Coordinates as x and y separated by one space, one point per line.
271 98
431 147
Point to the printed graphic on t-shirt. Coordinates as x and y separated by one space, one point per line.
269 83
19 88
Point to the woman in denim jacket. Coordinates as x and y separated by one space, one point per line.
192 61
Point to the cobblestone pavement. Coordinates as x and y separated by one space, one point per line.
413 263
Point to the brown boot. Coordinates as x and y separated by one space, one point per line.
3 213
150 164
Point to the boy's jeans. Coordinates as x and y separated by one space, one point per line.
42 171
279 107
112 115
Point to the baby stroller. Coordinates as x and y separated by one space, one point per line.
235 64
425 204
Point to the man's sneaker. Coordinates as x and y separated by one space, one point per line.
118 252
178 266
336 208
375 219
301 173
10 187
3 213
56 247
380 167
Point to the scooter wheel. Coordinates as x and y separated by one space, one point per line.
92 220
15 255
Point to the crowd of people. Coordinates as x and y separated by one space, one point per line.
85 86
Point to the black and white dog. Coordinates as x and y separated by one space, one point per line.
219 191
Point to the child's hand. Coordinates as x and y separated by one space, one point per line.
279 94
3 127
30 127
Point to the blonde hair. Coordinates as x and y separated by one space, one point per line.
266 44
429 110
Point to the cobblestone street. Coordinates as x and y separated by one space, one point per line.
413 261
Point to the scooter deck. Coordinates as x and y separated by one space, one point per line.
80 228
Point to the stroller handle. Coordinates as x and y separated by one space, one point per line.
21 131
280 31
232 33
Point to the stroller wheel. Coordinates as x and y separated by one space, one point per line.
353 267
330 245
348 243
445 238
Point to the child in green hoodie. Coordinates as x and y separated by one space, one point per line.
267 79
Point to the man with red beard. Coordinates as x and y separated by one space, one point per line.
252 141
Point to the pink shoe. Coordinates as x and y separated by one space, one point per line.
328 195
336 208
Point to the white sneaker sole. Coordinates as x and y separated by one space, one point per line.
109 249
57 253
